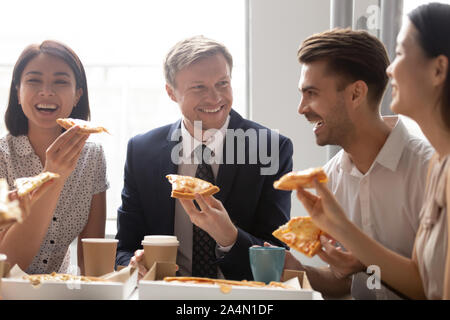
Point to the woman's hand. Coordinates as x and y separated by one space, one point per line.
27 200
62 155
324 209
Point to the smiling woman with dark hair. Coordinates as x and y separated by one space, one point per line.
420 89
15 119
48 83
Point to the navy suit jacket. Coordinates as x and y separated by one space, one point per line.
254 206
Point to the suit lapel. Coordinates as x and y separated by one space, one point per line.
167 165
227 172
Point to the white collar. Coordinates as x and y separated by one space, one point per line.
390 153
213 139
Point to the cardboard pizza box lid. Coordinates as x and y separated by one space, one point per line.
301 275
159 270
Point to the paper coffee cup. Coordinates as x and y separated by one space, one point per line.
2 264
2 268
99 256
159 249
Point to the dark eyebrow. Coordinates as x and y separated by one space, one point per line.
304 89
61 73
34 72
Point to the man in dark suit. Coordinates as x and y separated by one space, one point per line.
214 143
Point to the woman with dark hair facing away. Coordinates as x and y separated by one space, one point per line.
48 83
420 90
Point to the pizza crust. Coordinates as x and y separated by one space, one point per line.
86 127
37 279
304 179
28 184
185 187
301 234
226 285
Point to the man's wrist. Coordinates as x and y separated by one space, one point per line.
229 241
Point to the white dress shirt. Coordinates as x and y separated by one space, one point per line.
214 140
386 201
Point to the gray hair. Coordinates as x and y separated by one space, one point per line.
190 50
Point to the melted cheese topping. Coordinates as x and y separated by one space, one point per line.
187 184
28 184
9 210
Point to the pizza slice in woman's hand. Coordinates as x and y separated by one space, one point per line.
86 127
10 211
304 179
301 234
185 187
28 184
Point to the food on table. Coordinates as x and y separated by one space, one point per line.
37 279
226 285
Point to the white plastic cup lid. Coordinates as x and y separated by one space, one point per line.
160 241
99 240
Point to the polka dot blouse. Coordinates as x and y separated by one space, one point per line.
18 159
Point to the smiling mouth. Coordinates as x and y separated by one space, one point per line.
316 124
46 107
212 110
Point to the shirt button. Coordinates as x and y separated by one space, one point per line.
54 219
44 261
52 242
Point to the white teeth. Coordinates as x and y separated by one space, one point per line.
316 122
211 110
46 106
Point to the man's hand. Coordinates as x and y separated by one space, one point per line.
342 263
137 261
212 218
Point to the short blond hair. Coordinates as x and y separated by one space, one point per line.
190 50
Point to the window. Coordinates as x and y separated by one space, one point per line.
122 45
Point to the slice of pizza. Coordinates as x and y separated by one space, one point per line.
38 279
301 234
304 178
185 187
10 211
28 184
86 127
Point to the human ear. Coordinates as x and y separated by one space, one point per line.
359 91
171 93
440 71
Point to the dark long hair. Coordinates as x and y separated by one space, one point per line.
15 120
433 23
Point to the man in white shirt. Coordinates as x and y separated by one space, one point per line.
214 143
379 176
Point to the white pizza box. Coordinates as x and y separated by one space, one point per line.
122 285
161 290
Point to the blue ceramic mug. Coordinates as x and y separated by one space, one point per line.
267 263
